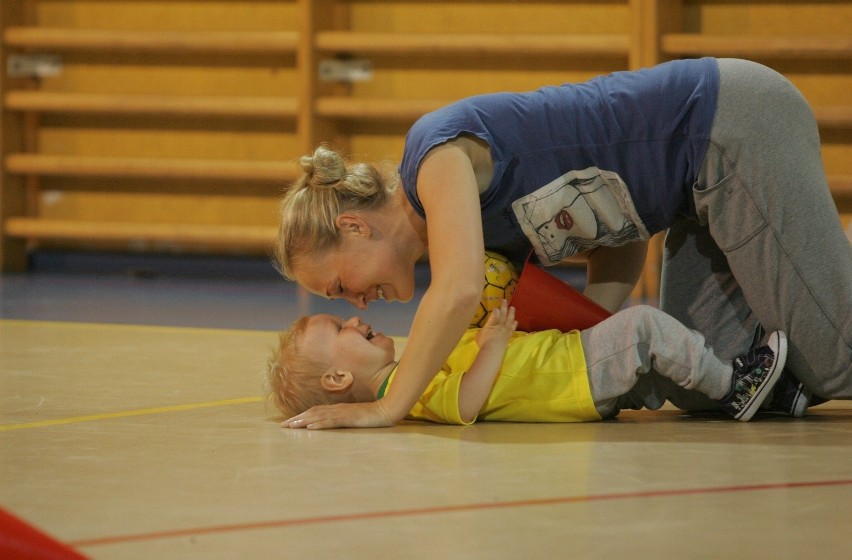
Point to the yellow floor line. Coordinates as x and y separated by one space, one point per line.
126 413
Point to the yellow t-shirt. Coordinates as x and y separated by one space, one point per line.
543 379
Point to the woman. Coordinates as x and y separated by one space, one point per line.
724 153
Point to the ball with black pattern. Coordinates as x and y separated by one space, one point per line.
501 279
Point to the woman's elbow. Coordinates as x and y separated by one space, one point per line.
460 298
469 297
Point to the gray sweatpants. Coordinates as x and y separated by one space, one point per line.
767 247
641 357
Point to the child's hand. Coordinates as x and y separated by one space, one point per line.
499 327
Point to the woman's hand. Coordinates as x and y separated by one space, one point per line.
347 415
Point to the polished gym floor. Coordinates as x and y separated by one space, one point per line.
132 425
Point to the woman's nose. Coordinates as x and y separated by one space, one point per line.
353 321
358 300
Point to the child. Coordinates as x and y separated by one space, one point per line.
638 357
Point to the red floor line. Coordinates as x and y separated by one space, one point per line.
449 509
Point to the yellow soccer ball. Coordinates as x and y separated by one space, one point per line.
501 278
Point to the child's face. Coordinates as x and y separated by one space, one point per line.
348 345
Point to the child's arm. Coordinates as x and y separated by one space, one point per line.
478 380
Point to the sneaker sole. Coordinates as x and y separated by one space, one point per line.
800 402
778 343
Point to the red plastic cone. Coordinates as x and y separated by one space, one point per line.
543 301
19 541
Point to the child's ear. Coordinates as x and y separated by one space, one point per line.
352 223
336 381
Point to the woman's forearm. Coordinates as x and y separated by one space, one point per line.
609 295
438 325
613 273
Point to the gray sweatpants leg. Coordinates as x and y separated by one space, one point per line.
767 246
642 357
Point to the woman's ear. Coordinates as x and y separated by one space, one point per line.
336 381
352 223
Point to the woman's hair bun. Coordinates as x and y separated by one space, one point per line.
324 167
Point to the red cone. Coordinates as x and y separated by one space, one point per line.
543 301
19 541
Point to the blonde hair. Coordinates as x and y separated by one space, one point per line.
311 205
293 376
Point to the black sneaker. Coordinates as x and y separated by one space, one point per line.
789 396
755 373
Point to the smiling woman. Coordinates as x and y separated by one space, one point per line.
344 208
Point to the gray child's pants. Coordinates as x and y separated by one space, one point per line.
641 357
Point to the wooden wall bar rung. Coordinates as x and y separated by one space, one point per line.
73 166
390 109
478 44
271 107
281 42
841 191
837 116
751 46
840 185
51 102
256 237
410 109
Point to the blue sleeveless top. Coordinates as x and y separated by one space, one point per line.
576 166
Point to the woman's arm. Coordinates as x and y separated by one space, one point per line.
448 191
613 273
447 188
477 381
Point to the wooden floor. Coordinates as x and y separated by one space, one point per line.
153 442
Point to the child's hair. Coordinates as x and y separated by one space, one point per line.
311 205
293 376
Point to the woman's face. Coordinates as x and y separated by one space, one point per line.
360 270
